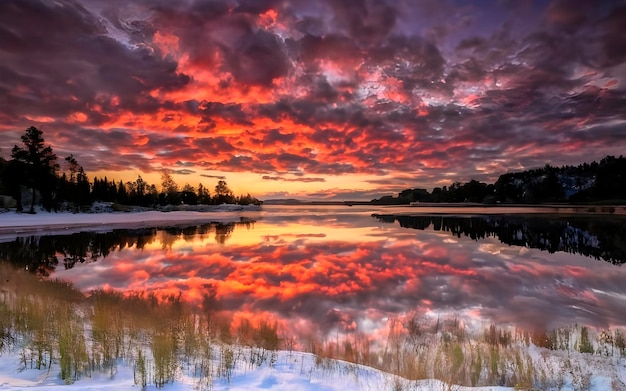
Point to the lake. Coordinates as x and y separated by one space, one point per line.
334 271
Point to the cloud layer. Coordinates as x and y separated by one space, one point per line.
299 91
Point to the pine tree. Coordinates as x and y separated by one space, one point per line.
41 165
122 195
203 195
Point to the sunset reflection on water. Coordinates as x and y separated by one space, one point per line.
328 276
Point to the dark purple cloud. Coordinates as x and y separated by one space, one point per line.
283 179
213 176
318 88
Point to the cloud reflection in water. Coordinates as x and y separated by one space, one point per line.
334 277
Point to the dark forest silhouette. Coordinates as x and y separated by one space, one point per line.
35 166
586 183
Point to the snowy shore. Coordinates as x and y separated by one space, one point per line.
290 371
12 224
299 371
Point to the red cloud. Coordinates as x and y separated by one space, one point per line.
319 89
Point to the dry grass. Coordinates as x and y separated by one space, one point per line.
50 322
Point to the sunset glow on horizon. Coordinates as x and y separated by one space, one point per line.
321 99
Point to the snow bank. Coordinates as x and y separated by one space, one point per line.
290 371
16 224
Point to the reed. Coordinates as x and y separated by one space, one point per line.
53 324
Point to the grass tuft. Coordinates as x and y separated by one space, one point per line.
161 337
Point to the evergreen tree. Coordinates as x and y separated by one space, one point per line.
73 167
122 194
188 195
203 195
76 188
151 197
82 188
111 190
41 165
13 177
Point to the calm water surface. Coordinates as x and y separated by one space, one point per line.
337 270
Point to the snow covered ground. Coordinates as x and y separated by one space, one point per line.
295 371
291 371
12 224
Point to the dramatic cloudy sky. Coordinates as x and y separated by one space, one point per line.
347 99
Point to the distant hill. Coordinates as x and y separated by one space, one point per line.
603 182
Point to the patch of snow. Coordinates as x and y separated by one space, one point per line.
290 371
21 224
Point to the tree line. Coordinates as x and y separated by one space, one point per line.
35 166
603 181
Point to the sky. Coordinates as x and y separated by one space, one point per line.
316 99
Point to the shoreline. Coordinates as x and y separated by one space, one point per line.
24 224
541 208
598 211
449 205
503 205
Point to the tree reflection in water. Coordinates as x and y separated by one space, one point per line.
594 236
42 254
